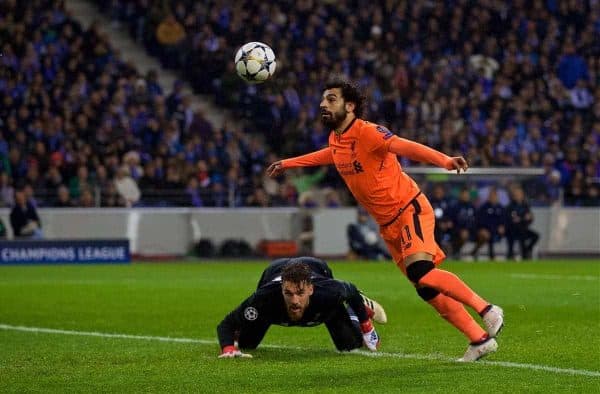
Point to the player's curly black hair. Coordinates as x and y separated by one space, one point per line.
350 92
296 272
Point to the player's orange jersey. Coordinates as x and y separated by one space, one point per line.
372 173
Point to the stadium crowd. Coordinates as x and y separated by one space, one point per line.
503 83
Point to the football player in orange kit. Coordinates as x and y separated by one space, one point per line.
365 155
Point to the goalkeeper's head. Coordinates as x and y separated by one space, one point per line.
297 288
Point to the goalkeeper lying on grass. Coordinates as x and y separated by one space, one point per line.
301 292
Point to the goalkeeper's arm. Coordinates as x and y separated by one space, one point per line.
234 321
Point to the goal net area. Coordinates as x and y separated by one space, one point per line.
541 188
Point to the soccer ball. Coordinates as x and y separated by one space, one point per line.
255 62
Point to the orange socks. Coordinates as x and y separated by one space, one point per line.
454 312
449 284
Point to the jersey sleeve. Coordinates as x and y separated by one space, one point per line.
319 158
248 313
418 152
375 138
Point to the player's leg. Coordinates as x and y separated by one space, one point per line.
250 338
344 329
448 308
374 310
453 312
480 343
418 255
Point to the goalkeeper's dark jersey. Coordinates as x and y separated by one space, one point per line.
266 306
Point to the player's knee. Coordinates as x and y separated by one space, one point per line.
427 293
419 269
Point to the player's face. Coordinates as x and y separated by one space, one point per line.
333 108
296 297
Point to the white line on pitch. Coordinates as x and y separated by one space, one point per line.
556 277
507 364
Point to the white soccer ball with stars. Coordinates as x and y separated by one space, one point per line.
255 62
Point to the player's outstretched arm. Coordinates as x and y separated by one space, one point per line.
321 157
419 152
457 163
275 169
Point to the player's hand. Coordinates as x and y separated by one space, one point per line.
370 336
275 169
233 352
457 163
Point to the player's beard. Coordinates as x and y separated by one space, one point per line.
295 311
334 119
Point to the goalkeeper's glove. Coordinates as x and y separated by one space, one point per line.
231 351
370 336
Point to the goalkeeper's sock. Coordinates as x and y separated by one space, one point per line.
449 284
456 314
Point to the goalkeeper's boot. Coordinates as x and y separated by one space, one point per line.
374 310
477 350
493 319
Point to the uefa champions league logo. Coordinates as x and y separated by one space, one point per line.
250 313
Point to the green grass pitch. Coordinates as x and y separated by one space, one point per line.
550 342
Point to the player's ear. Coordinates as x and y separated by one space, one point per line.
350 106
310 289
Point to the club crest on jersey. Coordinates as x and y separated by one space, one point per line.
357 167
250 313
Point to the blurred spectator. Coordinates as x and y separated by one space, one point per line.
218 196
491 224
110 198
259 198
80 182
24 219
581 98
30 195
193 193
3 232
170 35
63 198
304 182
444 226
126 187
519 220
86 199
332 198
571 66
364 240
462 215
286 196
7 192
308 199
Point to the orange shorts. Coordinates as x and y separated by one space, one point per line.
412 232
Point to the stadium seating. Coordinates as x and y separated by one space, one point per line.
461 77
